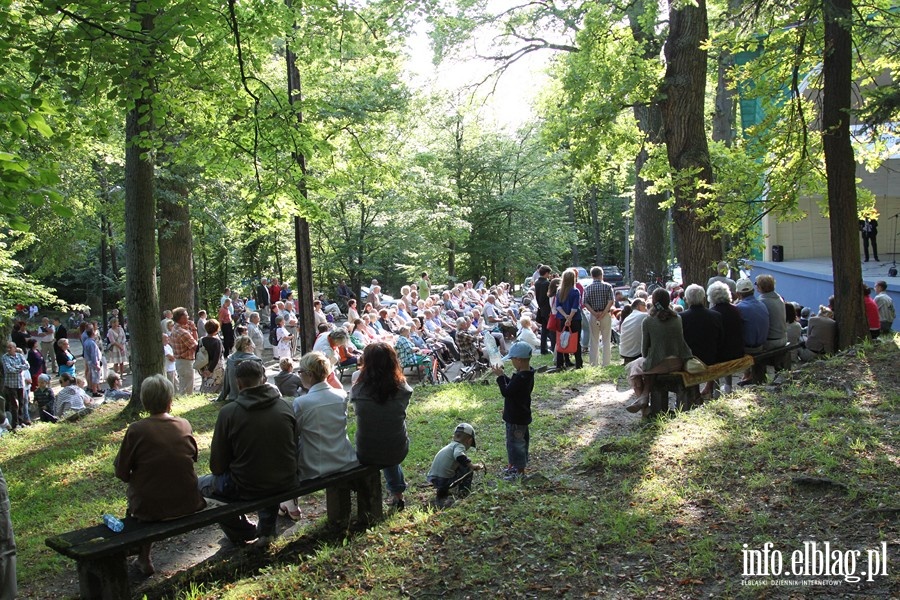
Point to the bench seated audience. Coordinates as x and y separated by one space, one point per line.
703 329
322 445
630 337
156 459
663 349
526 333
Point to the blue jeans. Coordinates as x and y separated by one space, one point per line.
462 478
517 439
223 487
393 478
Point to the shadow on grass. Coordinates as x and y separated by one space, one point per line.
810 461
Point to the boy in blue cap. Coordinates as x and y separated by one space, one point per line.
516 391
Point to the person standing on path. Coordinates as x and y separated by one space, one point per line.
598 298
47 336
184 345
541 295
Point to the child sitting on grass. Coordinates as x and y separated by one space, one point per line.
45 399
451 467
113 393
73 399
516 391
288 382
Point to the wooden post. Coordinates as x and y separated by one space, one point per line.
104 579
338 506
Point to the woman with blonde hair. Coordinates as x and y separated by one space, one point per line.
568 309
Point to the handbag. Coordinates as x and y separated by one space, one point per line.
554 323
694 365
566 343
202 358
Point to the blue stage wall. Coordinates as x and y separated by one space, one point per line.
809 288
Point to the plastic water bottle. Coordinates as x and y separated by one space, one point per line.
113 523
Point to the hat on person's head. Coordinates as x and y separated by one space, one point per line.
743 285
44 377
518 350
466 429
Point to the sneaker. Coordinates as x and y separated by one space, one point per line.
639 403
726 389
264 541
397 503
289 509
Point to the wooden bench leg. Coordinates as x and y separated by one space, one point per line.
338 505
368 499
689 397
105 579
659 401
759 372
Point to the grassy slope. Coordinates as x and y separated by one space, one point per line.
662 511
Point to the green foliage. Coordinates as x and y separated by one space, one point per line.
18 287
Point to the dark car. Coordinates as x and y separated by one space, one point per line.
613 276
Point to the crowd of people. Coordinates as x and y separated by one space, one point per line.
729 319
33 360
270 436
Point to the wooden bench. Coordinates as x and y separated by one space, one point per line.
777 357
686 386
101 553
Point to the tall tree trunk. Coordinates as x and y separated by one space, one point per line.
176 252
595 225
301 225
723 124
140 228
451 259
840 170
570 212
649 219
687 148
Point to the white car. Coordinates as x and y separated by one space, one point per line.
385 299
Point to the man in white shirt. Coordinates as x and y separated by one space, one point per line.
630 334
886 312
47 337
490 312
